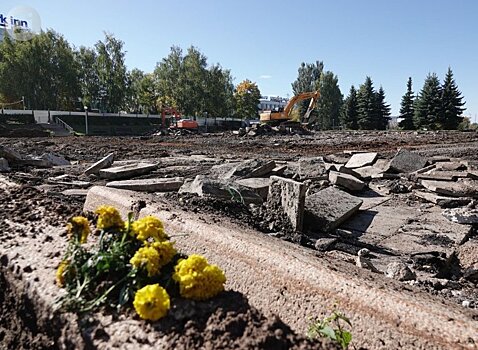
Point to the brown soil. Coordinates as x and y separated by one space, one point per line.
227 322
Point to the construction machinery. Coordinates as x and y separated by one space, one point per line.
277 117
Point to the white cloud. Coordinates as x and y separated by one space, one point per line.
265 76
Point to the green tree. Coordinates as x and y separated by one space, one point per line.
366 103
382 110
428 106
166 77
330 101
111 73
246 98
406 108
308 77
349 112
88 76
452 103
219 92
43 70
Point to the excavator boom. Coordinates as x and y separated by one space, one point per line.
271 116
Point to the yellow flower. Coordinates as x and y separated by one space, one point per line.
60 273
149 227
153 256
197 279
109 217
151 302
78 227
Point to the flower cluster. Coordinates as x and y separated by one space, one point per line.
197 279
132 258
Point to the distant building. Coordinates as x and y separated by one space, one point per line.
270 103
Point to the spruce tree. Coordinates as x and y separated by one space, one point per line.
452 103
366 105
382 110
329 102
350 110
428 106
407 109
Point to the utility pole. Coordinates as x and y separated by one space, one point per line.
86 119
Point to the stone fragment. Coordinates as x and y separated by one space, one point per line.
54 160
260 185
438 176
450 166
101 164
312 168
149 185
206 187
406 162
367 172
328 208
460 188
442 201
242 170
287 197
347 181
323 244
127 171
279 170
400 271
4 165
10 154
361 159
462 215
75 192
223 171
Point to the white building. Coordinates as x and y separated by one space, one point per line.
270 103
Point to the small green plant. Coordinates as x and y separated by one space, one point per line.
236 195
332 327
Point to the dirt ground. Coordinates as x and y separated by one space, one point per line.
33 202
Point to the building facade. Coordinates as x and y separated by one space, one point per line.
270 103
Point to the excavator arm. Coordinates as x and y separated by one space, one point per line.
300 97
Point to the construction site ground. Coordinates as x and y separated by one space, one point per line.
392 223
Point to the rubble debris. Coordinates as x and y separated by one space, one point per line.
286 198
280 169
324 243
461 188
359 160
312 168
406 162
242 170
347 181
329 208
400 271
101 164
367 172
127 171
364 262
259 185
467 255
206 187
149 185
442 201
453 166
432 262
75 192
10 154
54 160
4 165
465 215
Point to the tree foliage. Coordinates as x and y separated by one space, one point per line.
452 103
428 104
349 114
382 110
366 105
246 98
330 101
308 76
407 109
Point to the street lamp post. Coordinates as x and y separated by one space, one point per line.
86 120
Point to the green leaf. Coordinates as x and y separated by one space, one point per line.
328 332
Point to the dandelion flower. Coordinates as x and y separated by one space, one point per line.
198 279
109 217
151 302
79 227
149 227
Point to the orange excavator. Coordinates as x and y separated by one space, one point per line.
277 117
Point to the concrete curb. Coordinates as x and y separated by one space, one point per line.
290 281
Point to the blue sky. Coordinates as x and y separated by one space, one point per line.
265 41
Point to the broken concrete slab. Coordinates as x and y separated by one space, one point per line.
361 159
149 185
54 160
10 154
260 185
406 162
101 164
347 181
328 208
439 176
127 171
400 271
442 201
206 187
463 215
312 168
4 165
367 172
461 188
451 166
287 196
75 193
246 169
280 169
